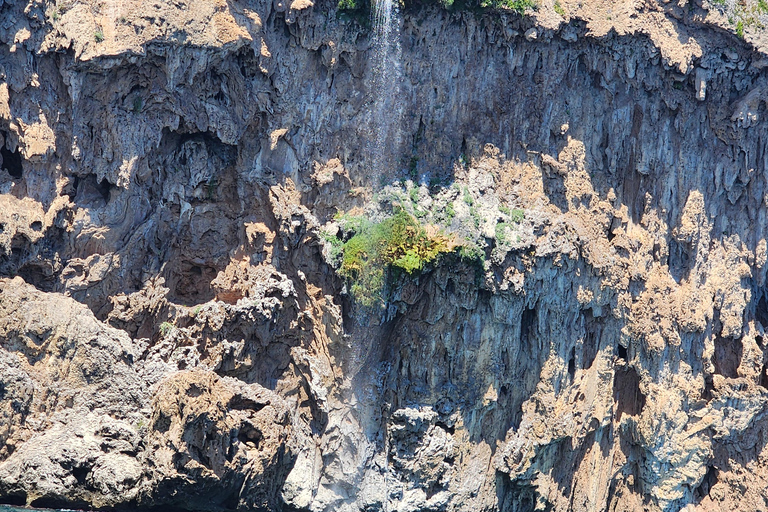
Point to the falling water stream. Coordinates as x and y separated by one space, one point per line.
386 78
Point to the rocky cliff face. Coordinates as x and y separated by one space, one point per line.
173 331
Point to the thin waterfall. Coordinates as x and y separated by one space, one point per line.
386 78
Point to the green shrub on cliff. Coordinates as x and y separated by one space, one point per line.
380 253
350 5
519 6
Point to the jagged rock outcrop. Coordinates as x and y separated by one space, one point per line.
173 331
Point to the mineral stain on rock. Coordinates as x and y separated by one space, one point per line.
179 182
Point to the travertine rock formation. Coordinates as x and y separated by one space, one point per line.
172 329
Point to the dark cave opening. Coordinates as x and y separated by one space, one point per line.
80 473
727 356
761 312
11 160
104 187
527 325
88 190
709 481
54 502
15 500
190 282
626 392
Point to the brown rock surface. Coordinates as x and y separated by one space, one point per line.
172 329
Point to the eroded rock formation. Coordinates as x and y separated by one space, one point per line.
173 331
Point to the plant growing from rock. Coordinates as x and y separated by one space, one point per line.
519 6
166 328
517 216
380 253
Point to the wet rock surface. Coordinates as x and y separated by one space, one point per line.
172 329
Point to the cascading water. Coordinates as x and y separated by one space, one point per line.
386 76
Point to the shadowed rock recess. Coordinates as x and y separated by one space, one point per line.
174 330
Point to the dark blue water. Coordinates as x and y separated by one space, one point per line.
9 508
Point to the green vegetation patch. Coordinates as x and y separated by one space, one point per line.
380 253
517 216
519 6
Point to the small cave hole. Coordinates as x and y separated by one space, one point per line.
621 352
36 226
572 364
763 381
709 481
761 312
11 161
80 474
250 435
194 391
241 403
626 392
527 326
162 423
90 191
105 189
58 503
2 390
39 276
727 356
190 283
14 500
709 387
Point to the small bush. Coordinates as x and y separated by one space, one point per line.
471 253
380 253
517 216
350 5
740 29
476 218
468 197
505 210
413 168
450 212
559 9
519 6
165 328
99 36
501 235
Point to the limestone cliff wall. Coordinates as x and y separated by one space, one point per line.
172 329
